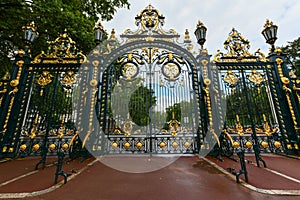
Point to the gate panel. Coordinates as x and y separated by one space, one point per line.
49 119
39 119
152 107
250 112
254 112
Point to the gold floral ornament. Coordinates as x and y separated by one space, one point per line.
68 81
266 126
129 70
174 125
256 78
43 80
171 70
231 79
239 128
127 126
34 128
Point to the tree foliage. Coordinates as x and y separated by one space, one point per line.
51 17
141 100
292 49
258 102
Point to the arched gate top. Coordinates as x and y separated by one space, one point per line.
149 34
128 47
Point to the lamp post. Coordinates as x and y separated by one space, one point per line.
285 85
200 33
270 33
98 33
30 33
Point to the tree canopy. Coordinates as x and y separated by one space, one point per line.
51 17
292 49
141 100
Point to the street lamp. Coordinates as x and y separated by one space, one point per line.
30 33
270 33
99 33
200 33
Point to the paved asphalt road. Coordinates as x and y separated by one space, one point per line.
188 178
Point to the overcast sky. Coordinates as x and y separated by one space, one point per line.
219 16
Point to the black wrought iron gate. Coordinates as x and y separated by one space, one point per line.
152 103
261 107
36 114
149 93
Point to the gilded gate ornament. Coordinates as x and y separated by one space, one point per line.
256 78
62 50
239 128
237 48
129 70
149 54
68 80
174 125
149 18
236 44
171 70
231 79
150 22
43 80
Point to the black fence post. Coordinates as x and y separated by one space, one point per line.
243 170
59 171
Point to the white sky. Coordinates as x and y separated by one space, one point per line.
219 16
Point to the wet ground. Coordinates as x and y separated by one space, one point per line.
189 177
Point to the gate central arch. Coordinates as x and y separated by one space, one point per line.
152 101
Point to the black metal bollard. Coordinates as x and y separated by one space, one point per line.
243 170
257 156
59 170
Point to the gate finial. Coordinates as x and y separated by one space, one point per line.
237 48
149 18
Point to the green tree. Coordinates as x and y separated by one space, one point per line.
141 100
237 105
173 112
51 18
292 49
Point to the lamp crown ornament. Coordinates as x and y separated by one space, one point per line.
268 24
200 24
99 25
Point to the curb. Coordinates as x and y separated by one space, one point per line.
40 192
251 187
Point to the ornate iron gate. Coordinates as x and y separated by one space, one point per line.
39 119
149 93
153 103
261 111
